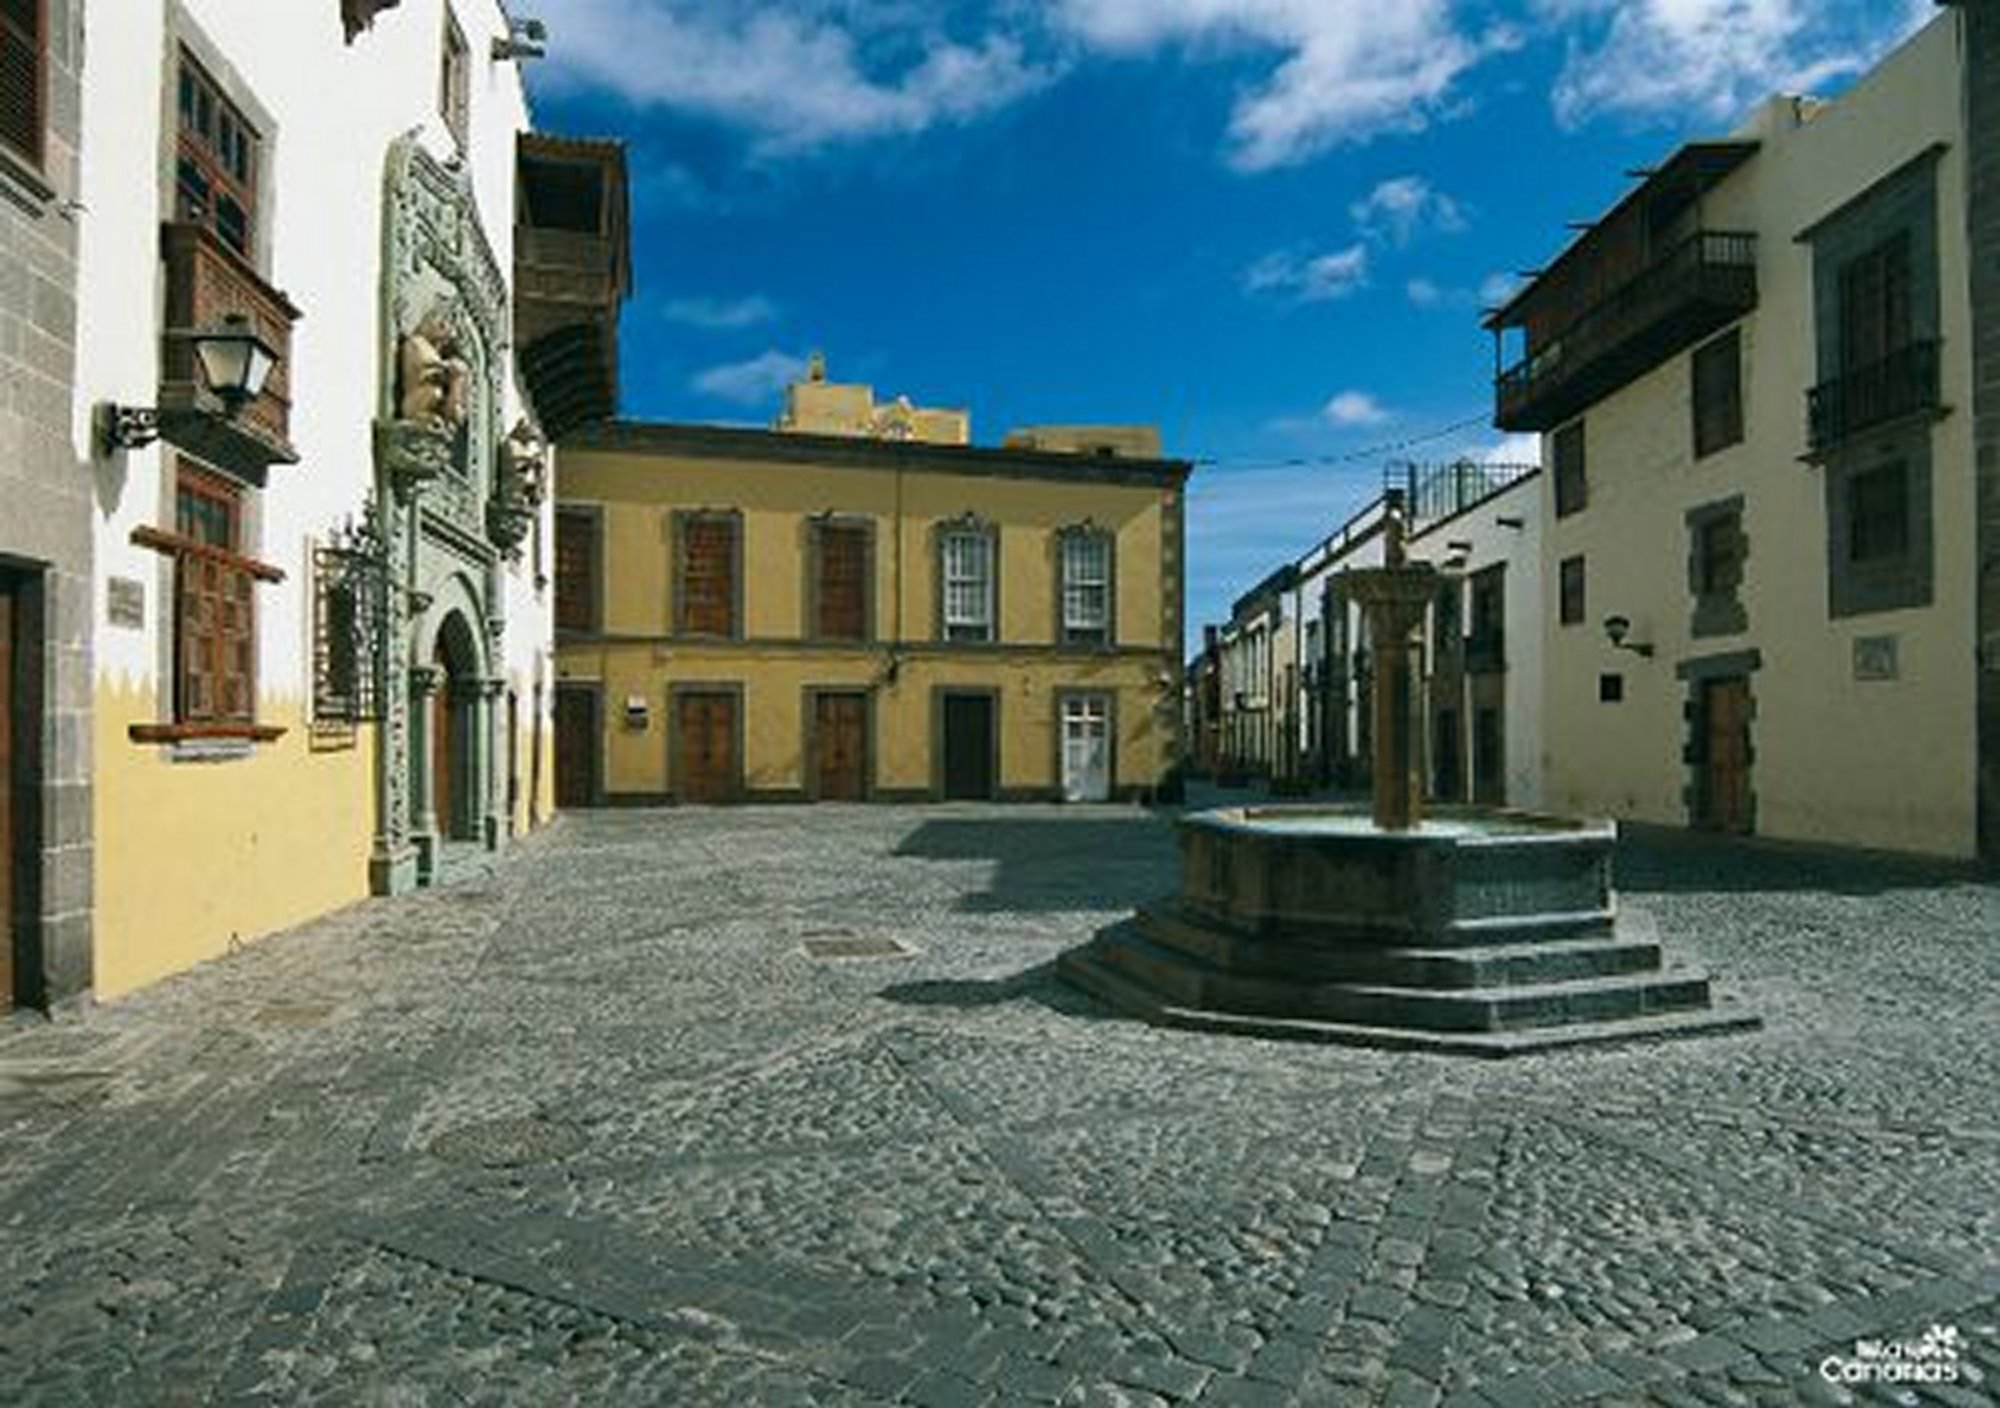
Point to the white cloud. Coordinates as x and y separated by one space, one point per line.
1398 209
1354 408
1519 448
1318 278
1496 289
751 382
1424 293
722 314
1350 72
797 78
1708 60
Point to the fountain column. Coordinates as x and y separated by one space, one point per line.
1394 598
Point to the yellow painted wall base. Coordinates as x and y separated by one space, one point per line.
194 858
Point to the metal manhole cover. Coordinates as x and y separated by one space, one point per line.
508 1142
293 1014
855 946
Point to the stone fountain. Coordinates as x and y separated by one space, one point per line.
1473 930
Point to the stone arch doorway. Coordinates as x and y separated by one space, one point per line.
453 731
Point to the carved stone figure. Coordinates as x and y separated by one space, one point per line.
524 465
432 376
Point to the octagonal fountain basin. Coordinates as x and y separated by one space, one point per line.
1482 931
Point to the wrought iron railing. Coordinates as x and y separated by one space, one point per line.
1900 384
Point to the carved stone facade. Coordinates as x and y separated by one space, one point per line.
447 480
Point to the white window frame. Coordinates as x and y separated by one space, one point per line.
965 560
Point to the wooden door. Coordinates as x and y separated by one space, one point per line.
443 744
577 732
840 747
705 731
1725 721
968 746
8 847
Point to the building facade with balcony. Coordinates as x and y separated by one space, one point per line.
45 538
322 627
1753 377
865 614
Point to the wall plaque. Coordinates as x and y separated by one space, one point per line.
125 603
1875 658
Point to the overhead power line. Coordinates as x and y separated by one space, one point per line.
1366 452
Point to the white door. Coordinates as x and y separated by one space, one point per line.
1086 748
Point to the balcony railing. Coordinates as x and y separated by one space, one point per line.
206 283
1702 283
1903 383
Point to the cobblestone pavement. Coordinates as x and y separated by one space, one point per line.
598 1127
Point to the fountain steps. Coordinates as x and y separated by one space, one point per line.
1084 968
1515 953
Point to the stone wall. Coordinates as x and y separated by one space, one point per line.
45 525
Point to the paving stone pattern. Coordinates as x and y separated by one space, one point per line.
598 1127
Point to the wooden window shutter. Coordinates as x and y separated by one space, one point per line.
576 572
23 50
708 576
843 582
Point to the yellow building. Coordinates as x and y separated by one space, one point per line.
783 616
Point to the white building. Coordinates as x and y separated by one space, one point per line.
1753 376
321 619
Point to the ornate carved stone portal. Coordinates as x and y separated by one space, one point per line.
448 491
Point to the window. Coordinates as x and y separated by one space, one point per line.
1571 490
215 617
1718 549
707 580
840 600
1878 514
1570 591
1086 587
215 161
1611 689
576 570
23 64
966 556
346 603
1875 303
1718 394
455 82
1486 640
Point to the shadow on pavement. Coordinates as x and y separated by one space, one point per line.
1667 860
1038 984
1046 863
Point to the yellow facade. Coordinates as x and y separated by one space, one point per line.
629 485
284 836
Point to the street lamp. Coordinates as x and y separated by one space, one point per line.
1616 628
234 362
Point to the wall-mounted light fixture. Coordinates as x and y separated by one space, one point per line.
1616 628
234 362
526 39
1511 520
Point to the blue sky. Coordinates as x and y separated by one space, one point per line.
1266 226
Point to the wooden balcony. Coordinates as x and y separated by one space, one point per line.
1904 383
207 282
1699 285
571 273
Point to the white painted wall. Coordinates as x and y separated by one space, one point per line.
334 109
1875 764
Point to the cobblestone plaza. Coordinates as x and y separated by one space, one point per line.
784 1106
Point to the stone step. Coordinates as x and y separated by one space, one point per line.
1198 983
1632 946
1475 932
1085 968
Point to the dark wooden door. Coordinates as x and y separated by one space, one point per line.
577 731
1450 784
444 743
8 847
1725 792
840 747
968 746
706 734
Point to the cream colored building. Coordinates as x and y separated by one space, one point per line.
321 625
795 615
1759 566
